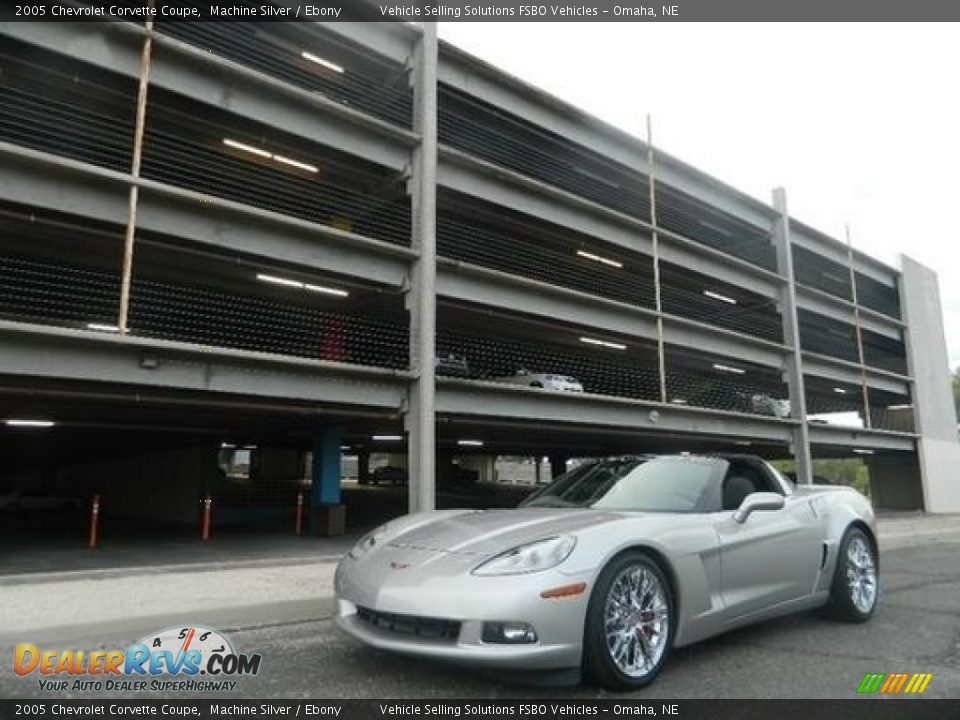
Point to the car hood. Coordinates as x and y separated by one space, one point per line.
484 532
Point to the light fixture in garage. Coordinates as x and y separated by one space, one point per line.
283 160
267 155
344 448
249 447
599 259
227 446
237 145
863 451
322 62
387 438
279 280
102 327
29 423
840 391
324 290
287 282
603 343
678 401
729 369
743 443
470 443
900 407
717 296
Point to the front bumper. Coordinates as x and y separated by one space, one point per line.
470 601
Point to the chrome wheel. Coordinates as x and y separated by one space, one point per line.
861 574
636 620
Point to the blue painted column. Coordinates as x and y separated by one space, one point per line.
326 511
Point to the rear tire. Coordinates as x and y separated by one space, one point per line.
630 623
856 588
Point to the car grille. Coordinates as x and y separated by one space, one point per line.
434 628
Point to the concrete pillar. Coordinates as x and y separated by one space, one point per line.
791 336
484 465
327 514
558 465
422 296
363 467
927 360
536 469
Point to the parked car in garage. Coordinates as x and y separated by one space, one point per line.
452 364
767 405
603 573
20 500
547 381
389 475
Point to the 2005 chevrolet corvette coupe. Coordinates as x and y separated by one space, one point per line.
610 566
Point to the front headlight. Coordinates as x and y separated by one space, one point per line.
367 542
532 557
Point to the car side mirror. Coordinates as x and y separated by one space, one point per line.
757 501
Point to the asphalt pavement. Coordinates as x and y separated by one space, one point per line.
916 629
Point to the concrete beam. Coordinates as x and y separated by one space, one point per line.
222 83
831 248
849 373
31 177
236 228
390 39
465 398
836 435
208 78
492 288
838 309
466 73
37 351
39 179
477 178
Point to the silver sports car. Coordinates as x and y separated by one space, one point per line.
610 566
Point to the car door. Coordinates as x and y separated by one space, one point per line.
771 558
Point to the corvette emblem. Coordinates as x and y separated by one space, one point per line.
399 566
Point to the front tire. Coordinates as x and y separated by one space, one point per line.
855 588
630 624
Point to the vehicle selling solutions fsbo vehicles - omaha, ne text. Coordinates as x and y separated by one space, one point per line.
610 566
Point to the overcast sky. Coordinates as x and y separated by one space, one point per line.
860 123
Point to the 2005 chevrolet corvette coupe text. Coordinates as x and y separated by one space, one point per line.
610 566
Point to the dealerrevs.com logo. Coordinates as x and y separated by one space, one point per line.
177 659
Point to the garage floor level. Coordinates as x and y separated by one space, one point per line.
281 609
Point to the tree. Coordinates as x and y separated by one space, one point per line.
956 391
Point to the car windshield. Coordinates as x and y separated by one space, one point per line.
664 484
582 485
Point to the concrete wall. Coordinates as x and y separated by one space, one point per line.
939 448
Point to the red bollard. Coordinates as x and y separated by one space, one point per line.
298 520
205 523
94 521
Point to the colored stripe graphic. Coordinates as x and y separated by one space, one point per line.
894 683
871 682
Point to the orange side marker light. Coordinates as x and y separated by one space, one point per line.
564 591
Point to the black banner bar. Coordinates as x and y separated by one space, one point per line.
479 10
638 707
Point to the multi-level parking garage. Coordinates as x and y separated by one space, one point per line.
244 235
